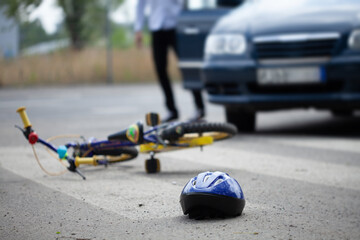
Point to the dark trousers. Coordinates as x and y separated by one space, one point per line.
162 41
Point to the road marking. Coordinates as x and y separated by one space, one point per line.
118 189
318 143
124 190
306 170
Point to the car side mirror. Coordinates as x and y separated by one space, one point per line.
229 3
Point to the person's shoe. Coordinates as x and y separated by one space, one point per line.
199 114
171 116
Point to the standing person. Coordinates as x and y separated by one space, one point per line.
162 23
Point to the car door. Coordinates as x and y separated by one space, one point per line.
194 24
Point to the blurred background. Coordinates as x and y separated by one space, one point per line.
54 42
248 56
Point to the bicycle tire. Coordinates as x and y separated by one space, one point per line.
127 153
218 131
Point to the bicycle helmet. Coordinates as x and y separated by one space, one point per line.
212 195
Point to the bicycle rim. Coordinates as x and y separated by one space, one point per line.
120 154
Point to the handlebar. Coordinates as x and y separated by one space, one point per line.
86 160
33 138
24 117
29 133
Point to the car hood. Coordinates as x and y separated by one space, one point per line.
262 17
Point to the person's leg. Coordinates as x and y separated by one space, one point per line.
198 99
160 51
199 103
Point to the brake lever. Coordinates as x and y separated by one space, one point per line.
81 175
29 134
22 130
72 168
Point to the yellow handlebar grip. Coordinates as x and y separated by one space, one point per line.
85 160
24 117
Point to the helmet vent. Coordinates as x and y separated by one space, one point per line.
194 183
206 178
218 181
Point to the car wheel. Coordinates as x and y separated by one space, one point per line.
243 119
342 112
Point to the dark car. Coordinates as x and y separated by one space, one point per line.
278 54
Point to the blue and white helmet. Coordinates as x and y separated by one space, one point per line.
212 194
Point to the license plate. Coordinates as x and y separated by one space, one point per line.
290 75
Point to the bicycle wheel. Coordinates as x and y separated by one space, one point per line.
118 154
217 131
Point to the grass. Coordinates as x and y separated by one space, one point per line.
84 67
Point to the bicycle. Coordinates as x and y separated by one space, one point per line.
121 146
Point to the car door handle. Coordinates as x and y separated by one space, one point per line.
191 30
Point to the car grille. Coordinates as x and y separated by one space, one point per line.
297 47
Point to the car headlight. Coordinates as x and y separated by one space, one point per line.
354 40
234 44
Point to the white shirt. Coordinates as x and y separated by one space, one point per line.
163 14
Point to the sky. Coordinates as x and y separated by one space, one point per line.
51 15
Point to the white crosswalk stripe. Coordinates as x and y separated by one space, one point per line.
306 170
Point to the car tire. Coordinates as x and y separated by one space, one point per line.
243 119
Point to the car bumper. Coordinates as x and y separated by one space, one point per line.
191 74
235 83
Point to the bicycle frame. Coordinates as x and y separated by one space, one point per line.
85 153
92 146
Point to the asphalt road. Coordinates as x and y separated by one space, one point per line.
300 172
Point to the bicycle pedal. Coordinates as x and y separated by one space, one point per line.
152 119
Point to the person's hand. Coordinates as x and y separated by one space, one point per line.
139 40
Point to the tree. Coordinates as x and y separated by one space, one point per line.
19 9
74 13
83 18
31 34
